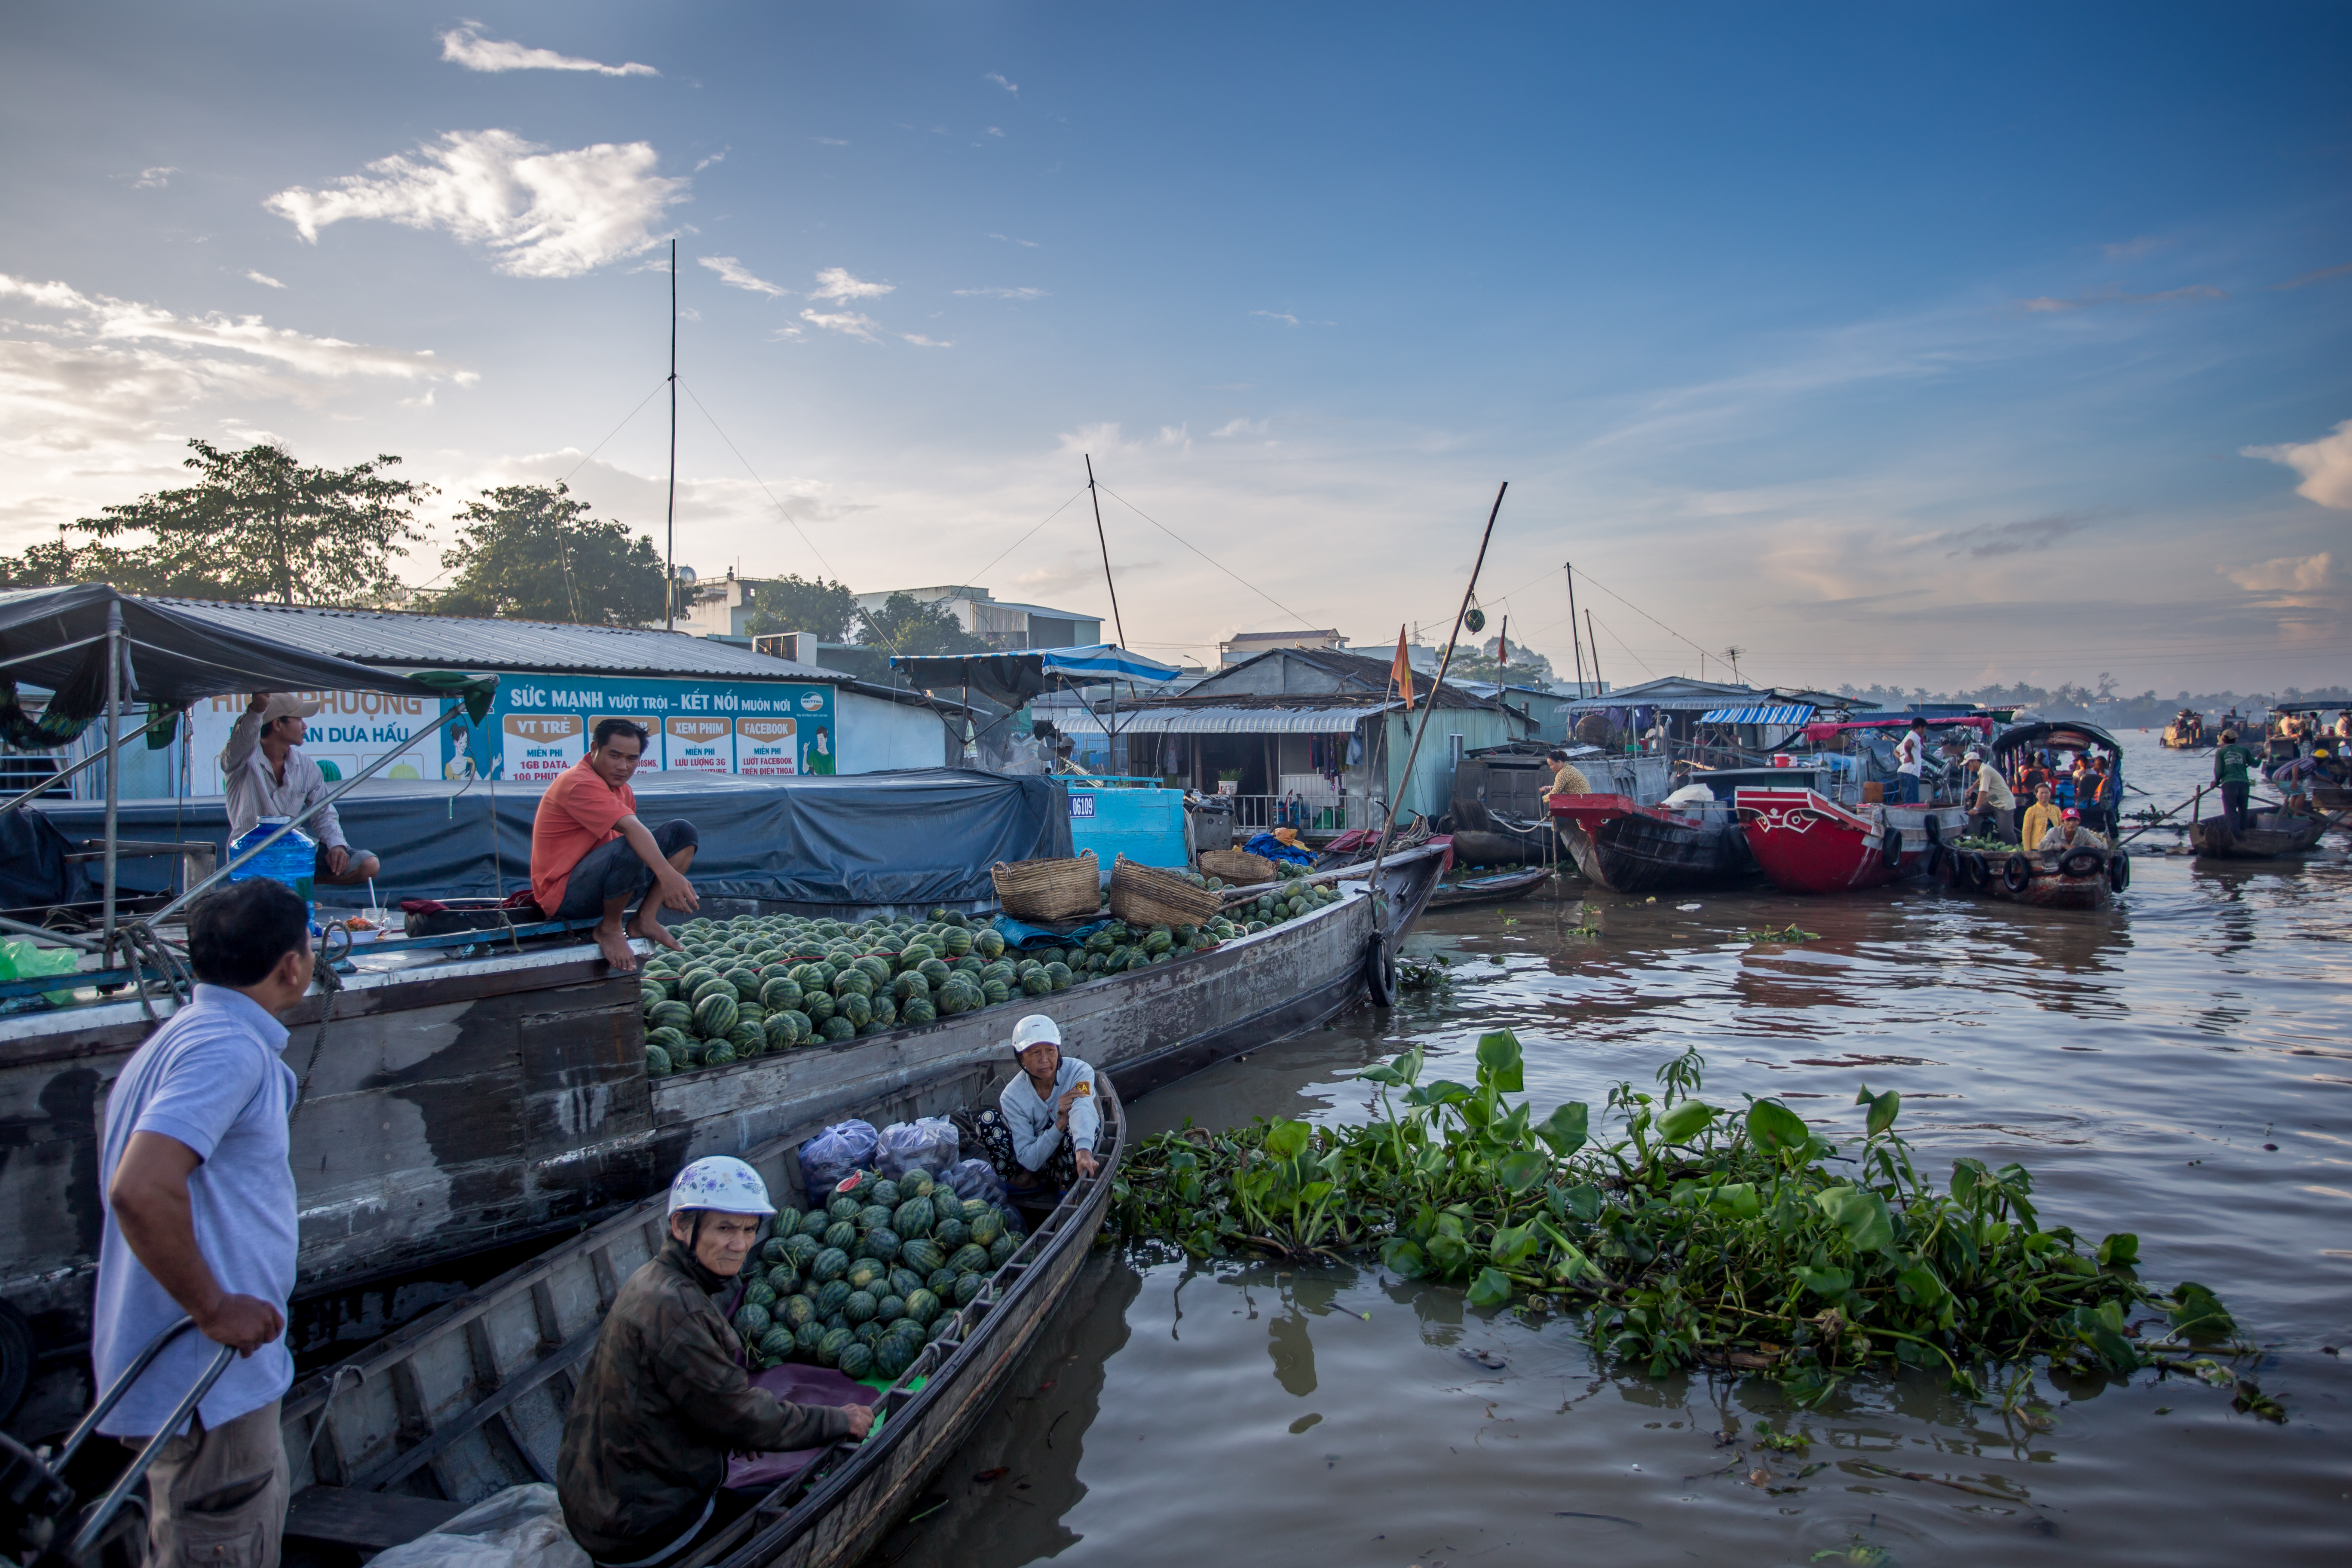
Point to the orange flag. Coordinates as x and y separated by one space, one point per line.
1400 672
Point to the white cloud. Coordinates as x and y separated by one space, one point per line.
829 141
466 46
1030 244
847 322
265 279
922 342
836 283
2047 306
994 131
545 214
103 318
1003 293
2133 249
2288 574
2326 465
1277 316
153 179
718 157
998 79
1240 427
732 273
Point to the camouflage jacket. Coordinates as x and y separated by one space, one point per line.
664 1400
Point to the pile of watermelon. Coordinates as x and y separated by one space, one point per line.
865 1281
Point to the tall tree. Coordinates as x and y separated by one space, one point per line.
259 525
905 625
827 610
532 553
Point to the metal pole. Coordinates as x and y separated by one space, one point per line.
113 769
1117 623
1429 713
1594 638
670 546
1570 567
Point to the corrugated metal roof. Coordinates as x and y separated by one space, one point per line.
477 642
1221 721
1759 713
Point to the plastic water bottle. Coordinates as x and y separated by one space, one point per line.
292 861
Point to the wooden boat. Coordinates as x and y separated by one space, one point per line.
2271 837
480 1104
2080 879
1627 847
1807 843
2189 734
471 1398
1498 888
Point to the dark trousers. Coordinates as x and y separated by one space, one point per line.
1988 824
2234 808
612 872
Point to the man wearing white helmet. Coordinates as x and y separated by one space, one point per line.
1043 1128
664 1397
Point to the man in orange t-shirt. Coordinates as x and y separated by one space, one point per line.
590 855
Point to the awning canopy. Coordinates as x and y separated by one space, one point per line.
1012 678
1761 713
1204 721
56 637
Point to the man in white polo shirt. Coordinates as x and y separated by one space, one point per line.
200 1223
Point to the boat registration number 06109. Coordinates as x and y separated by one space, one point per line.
1082 806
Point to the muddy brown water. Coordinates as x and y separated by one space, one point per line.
2181 1069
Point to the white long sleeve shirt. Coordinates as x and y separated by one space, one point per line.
1031 1120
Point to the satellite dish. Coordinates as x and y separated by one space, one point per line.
685 575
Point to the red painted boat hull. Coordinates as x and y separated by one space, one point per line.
1807 843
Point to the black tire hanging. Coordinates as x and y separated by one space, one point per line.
1973 872
2118 871
1936 854
2016 872
1380 970
1934 829
1890 847
2084 862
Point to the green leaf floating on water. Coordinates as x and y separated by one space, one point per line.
2120 1250
1685 1121
1777 1130
1499 1056
1859 1215
1523 1170
1829 1284
1884 1108
1513 1245
1566 1128
1491 1289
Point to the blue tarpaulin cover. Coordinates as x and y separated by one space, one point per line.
913 836
1012 678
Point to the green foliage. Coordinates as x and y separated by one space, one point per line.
531 552
256 525
905 624
1694 1235
827 611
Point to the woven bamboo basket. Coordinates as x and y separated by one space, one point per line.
1049 889
1143 896
1237 866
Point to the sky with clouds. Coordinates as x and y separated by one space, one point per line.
1929 344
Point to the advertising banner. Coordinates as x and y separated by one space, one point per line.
768 747
695 743
351 731
540 725
536 747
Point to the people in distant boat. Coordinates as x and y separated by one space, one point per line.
590 856
1567 778
664 1397
1911 763
1988 801
2233 766
265 773
2041 815
2344 725
1041 1136
2069 833
2100 787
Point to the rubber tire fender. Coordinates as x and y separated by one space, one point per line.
1890 847
1934 829
1973 874
2082 862
2118 871
1380 970
1936 854
2016 872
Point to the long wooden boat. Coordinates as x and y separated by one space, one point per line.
2080 878
2180 737
1627 847
480 1104
1501 887
471 1399
1807 843
2272 836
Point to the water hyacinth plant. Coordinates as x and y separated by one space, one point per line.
1700 1235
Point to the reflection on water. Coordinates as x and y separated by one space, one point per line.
2181 1068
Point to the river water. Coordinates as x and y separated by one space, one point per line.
2181 1068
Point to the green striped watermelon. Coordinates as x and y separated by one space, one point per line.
715 1014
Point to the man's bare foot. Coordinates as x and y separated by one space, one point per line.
613 943
648 925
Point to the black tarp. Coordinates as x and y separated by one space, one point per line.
919 836
56 637
32 869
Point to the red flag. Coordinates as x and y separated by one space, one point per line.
1400 671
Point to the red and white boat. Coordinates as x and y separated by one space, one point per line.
1807 843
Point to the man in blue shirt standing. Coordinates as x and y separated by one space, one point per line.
200 1222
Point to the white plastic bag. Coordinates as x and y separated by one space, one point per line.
840 1150
521 1527
930 1142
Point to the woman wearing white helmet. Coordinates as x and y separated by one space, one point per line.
664 1397
1043 1128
